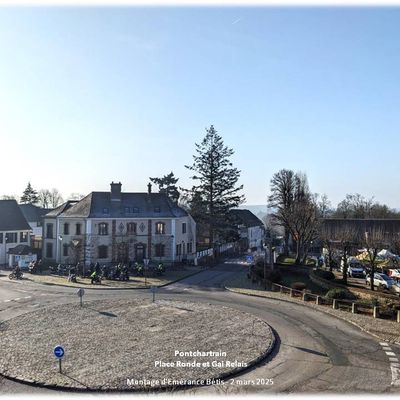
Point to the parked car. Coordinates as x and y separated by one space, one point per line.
394 274
356 271
381 281
351 262
395 289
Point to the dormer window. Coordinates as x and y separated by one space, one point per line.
135 209
157 209
127 210
106 210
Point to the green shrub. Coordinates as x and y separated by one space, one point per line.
298 285
324 274
339 293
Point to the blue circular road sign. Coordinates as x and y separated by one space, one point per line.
59 351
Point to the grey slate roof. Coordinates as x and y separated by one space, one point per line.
60 209
246 218
33 213
132 205
11 217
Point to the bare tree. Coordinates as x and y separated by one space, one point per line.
346 239
44 198
325 236
8 197
55 198
374 240
281 199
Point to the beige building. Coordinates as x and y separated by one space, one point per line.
115 226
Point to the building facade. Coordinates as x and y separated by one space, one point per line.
251 229
14 229
111 227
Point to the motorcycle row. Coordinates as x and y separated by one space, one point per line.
120 272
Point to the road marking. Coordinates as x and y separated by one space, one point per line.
393 359
395 375
27 297
7 301
17 299
390 353
383 344
386 349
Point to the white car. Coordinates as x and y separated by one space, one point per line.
381 281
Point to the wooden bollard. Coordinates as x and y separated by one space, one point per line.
335 304
354 308
304 297
281 289
398 316
318 300
376 312
291 292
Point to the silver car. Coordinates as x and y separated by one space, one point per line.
381 281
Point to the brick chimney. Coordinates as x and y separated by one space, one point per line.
115 191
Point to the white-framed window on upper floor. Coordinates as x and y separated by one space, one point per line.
78 229
183 227
66 229
103 229
49 231
160 228
23 237
11 237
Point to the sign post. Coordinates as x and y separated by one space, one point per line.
59 353
153 290
80 293
146 267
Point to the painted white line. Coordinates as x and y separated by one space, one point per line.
395 365
383 344
18 298
7 301
27 297
390 353
395 376
393 359
386 349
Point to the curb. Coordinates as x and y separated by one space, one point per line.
170 388
321 310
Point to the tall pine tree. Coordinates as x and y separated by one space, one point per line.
29 196
217 191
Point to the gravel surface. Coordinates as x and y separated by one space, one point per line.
380 328
109 342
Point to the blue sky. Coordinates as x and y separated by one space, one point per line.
91 95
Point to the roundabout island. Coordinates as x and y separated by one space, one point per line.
118 345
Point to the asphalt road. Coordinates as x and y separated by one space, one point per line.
315 352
